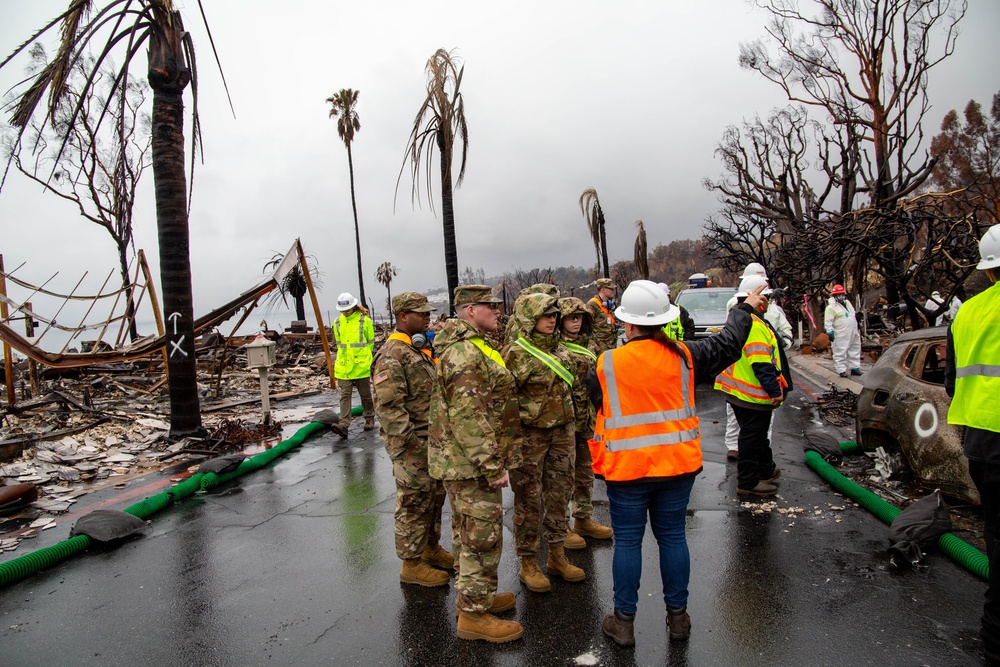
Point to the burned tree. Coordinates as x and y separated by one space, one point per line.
864 68
100 163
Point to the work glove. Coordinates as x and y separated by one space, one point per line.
830 334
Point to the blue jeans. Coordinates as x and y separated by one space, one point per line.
666 503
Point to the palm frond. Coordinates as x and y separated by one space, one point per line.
590 206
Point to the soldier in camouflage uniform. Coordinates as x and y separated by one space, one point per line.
474 443
604 331
574 330
403 382
510 331
544 371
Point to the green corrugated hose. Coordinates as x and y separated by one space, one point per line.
29 564
965 554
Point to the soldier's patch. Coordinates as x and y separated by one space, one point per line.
381 377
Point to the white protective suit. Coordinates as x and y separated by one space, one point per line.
776 317
840 319
937 300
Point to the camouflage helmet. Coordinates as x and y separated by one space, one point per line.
540 288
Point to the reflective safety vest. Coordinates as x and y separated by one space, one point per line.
647 425
975 334
488 351
355 338
739 379
606 312
580 349
554 364
674 329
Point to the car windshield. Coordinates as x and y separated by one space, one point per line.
699 300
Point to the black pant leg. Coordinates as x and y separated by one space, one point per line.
987 479
753 446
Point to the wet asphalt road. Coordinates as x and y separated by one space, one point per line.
295 565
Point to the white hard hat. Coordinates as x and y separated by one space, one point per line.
645 303
989 249
346 301
754 269
665 287
750 283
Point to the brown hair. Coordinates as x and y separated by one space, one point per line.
656 333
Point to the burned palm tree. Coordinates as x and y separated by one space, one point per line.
593 214
342 107
641 260
440 123
293 284
384 274
128 25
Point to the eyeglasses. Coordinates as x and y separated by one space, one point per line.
490 305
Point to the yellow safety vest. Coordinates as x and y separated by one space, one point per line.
739 379
674 329
355 338
554 365
975 334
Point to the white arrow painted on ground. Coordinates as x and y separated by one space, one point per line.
173 317
176 346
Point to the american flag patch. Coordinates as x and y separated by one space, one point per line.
381 377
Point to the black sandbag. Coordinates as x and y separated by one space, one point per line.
107 525
222 464
825 445
918 528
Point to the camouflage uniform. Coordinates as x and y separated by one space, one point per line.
403 382
586 413
474 440
604 333
510 331
543 484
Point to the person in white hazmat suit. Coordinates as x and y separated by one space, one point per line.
937 300
841 326
775 316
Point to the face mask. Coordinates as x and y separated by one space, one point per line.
841 298
610 303
421 340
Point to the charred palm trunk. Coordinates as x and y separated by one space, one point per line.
133 333
168 77
604 244
357 231
448 218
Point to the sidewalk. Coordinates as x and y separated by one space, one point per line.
818 369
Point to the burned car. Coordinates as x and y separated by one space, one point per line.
904 406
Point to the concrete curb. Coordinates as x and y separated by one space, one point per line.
815 371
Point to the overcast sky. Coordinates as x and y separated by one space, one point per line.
630 98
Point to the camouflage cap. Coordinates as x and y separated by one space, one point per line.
605 282
466 294
411 301
570 305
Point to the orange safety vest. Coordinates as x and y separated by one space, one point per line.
607 313
647 425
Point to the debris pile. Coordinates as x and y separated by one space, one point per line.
837 406
101 426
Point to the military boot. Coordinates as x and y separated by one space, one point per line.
591 528
369 423
574 541
415 571
436 555
480 625
501 602
559 565
532 577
